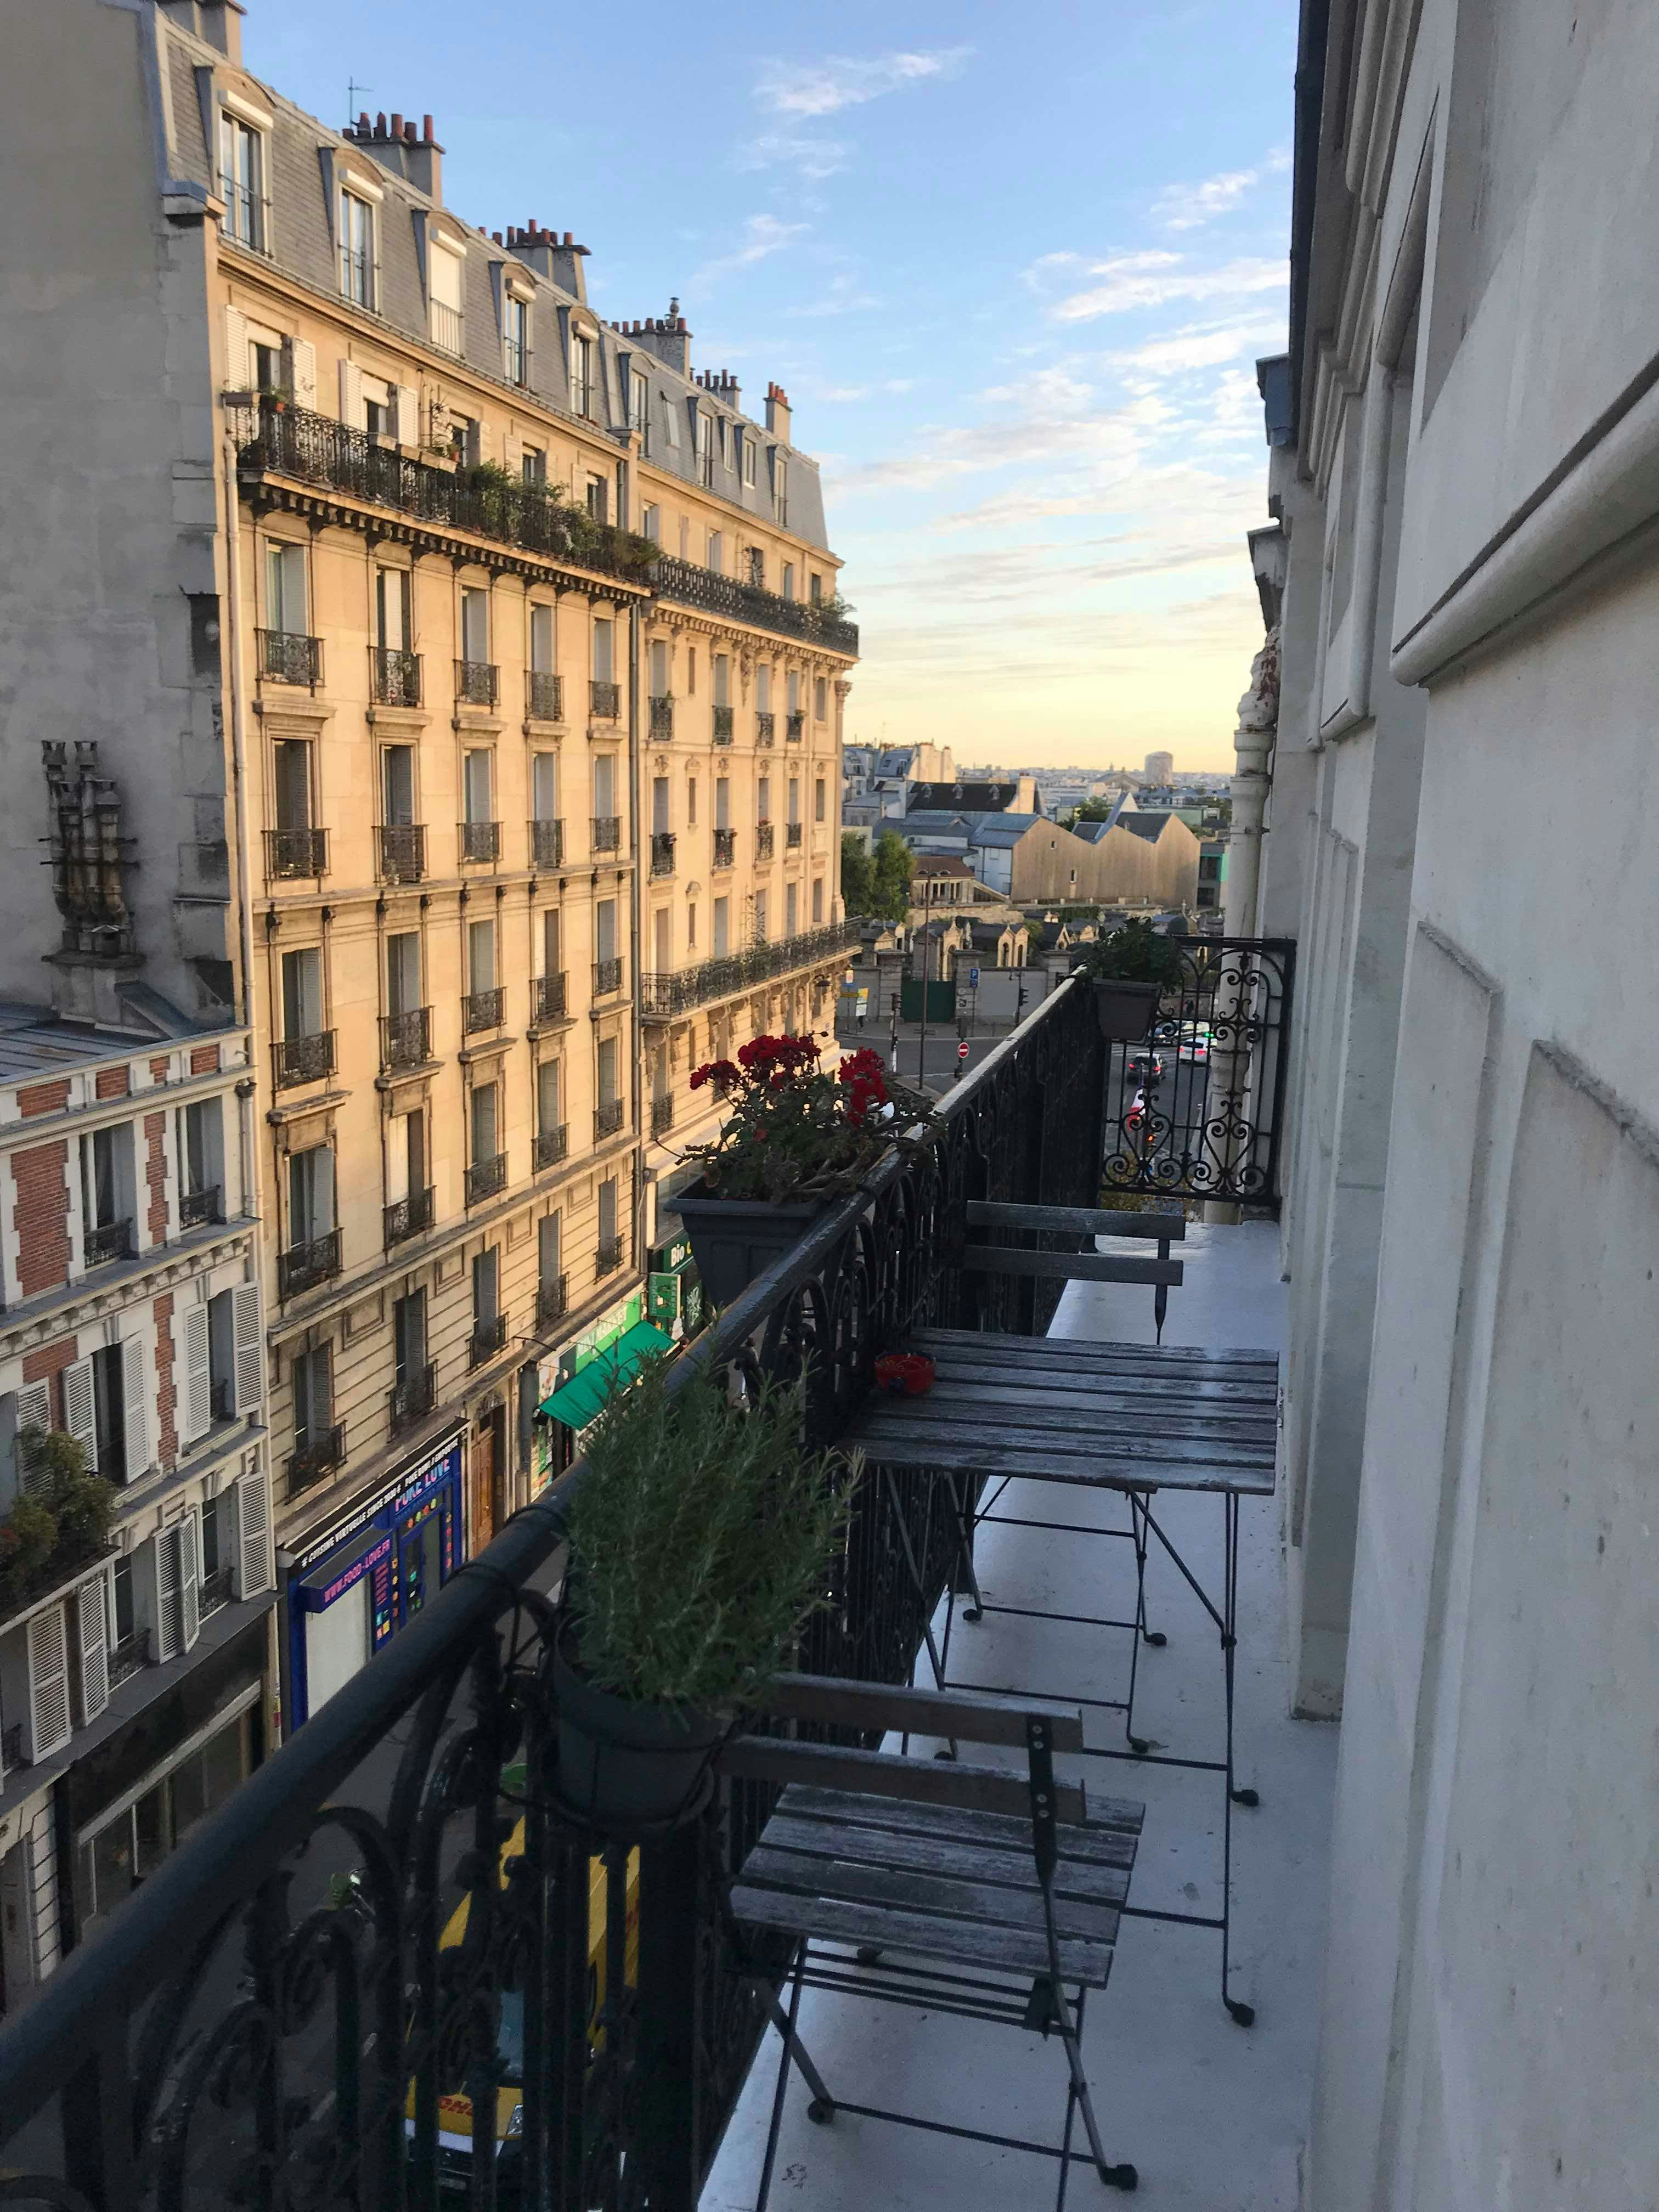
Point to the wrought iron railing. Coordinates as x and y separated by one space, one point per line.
486 1340
723 721
552 1145
402 851
197 1208
550 997
794 727
479 840
303 1265
762 840
287 656
275 437
689 586
547 844
406 1038
111 1240
485 1177
448 329
662 717
603 700
662 852
662 1114
726 848
216 1591
304 1058
413 1398
607 977
662 996
296 853
395 676
126 1657
409 1217
552 1300
546 695
478 683
607 1117
245 2015
313 1459
766 728
482 1010
790 835
608 1257
607 832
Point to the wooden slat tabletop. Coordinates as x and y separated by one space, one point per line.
1110 1415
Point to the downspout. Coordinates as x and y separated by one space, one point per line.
1310 107
635 647
237 729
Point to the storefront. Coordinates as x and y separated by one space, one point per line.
353 1587
673 1289
618 1341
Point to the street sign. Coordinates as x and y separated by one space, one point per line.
973 979
962 1049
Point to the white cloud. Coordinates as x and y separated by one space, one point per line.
1185 350
1035 274
1142 280
1185 207
843 298
763 235
1053 389
793 149
815 88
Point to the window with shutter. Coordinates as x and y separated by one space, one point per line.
252 1534
34 1412
245 1307
302 370
198 1379
80 1410
49 1703
169 1619
136 1368
94 1652
190 1575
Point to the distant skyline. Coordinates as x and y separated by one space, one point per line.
1013 268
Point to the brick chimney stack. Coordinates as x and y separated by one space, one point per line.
396 147
777 411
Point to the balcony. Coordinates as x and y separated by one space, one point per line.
550 998
127 1657
478 683
482 1010
607 1119
547 844
608 1255
406 1038
726 848
794 729
394 676
791 836
286 656
217 1591
604 700
662 1114
552 1300
664 996
109 1241
546 700
304 1058
487 1339
301 854
607 832
411 1398
303 1265
723 720
766 729
762 840
316 1458
449 328
485 1177
479 841
552 1145
689 586
198 1208
662 852
607 977
662 718
402 851
407 1217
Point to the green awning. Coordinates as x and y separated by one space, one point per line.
580 1398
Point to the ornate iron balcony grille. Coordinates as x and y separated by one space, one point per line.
406 1038
546 695
291 852
662 1115
197 1208
413 1398
217 1591
409 1217
552 1145
550 996
480 840
791 835
764 840
487 1339
607 1117
723 718
553 1300
485 1177
127 1657
795 727
286 656
607 977
482 1010
609 1257
726 848
302 1266
395 676
662 717
689 586
315 1457
662 996
476 683
402 851
304 1058
604 700
607 832
448 330
112 1241
766 728
662 852
547 844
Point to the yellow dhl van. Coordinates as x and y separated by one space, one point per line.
454 2107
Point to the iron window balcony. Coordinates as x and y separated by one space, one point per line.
662 1115
485 1177
315 1457
547 844
766 725
664 995
402 851
409 1217
764 840
126 1657
546 695
287 656
487 1339
662 852
482 1010
412 1398
296 853
662 716
406 1038
449 328
607 1118
304 1058
726 848
791 835
607 832
553 1300
552 1145
394 676
609 1257
604 700
723 724
795 726
549 996
197 1208
217 1591
111 1240
302 1266
607 977
479 840
478 683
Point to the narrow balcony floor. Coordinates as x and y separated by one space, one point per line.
1213 2115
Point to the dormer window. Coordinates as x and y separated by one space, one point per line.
443 281
515 339
705 447
581 375
748 460
242 180
670 425
638 409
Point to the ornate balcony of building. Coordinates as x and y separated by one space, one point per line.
723 724
664 996
482 1010
766 729
449 328
607 978
402 851
485 1177
552 1300
479 841
127 1657
550 998
662 1114
406 1038
547 844
794 729
297 853
662 852
303 1059
607 1119
411 1399
726 848
552 1145
394 676
317 1456
791 836
603 700
545 701
606 831
688 585
303 1265
488 1338
409 1217
762 840
286 656
198 1208
110 1240
662 718
477 684
608 1256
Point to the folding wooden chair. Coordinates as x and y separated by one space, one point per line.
964 1889
1088 1267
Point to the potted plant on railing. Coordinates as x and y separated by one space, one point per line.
702 1537
1130 970
799 1138
60 1524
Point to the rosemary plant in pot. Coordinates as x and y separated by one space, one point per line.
702 1537
798 1137
1130 968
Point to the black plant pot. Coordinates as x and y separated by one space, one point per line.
735 1240
1124 1010
622 1765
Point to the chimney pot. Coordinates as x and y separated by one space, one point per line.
496 235
568 239
409 132
397 124
426 127
379 123
362 123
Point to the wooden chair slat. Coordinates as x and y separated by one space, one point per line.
1076 1220
1068 1266
857 1842
968 1717
911 1889
1098 1840
917 1935
922 1781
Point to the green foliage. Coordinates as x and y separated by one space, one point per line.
703 1537
857 876
894 866
63 1521
1092 810
1133 954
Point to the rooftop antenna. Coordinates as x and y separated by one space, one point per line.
353 88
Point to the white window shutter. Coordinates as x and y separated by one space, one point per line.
136 1370
80 1418
169 1619
302 370
326 1220
351 394
34 1412
483 438
49 1703
250 1359
198 1395
512 454
253 1534
239 368
94 1650
408 403
190 1577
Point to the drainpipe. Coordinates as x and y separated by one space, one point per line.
637 801
233 631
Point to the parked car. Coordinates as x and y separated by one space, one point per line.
1148 1067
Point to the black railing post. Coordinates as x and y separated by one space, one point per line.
96 2105
670 1888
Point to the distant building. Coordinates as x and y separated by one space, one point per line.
1160 767
1017 795
1032 860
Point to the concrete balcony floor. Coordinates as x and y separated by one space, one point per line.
1213 2115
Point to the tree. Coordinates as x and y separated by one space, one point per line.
895 864
857 876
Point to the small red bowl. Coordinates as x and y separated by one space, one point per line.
906 1374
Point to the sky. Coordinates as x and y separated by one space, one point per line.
1013 266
